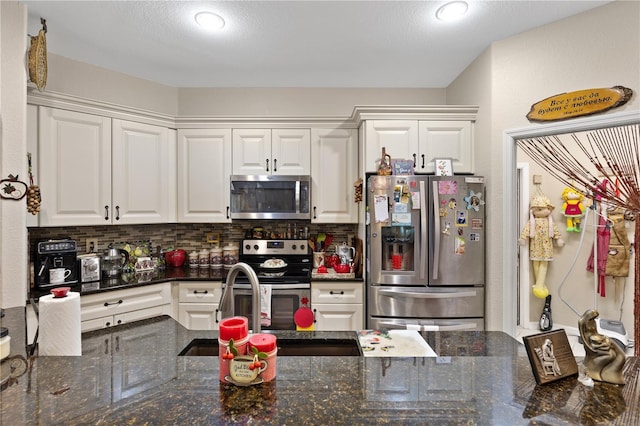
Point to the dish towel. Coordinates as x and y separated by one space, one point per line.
265 305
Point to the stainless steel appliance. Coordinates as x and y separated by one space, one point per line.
289 289
426 246
270 197
89 267
53 254
113 261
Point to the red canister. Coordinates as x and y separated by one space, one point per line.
236 328
265 343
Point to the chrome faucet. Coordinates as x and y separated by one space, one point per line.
227 301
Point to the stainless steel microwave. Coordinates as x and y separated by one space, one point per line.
270 197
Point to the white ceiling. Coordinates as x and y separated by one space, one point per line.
287 43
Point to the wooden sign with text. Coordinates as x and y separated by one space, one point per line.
579 103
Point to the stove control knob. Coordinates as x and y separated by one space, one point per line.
293 246
247 247
256 247
302 247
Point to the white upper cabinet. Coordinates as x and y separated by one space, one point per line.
445 139
334 170
144 173
204 167
398 137
95 170
271 152
420 141
74 164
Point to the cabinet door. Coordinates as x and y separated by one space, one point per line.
338 317
399 137
133 373
144 173
204 167
198 316
74 162
252 152
445 139
291 151
334 170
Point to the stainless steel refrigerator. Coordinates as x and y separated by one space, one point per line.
426 252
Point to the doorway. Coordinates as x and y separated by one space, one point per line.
511 313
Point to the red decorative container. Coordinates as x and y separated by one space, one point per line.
236 328
266 343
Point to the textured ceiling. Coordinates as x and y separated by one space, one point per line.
287 43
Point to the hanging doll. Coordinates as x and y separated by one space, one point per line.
541 232
572 208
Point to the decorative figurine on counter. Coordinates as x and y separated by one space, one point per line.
604 359
541 232
572 208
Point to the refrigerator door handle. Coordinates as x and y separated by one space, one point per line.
436 229
422 295
454 327
423 232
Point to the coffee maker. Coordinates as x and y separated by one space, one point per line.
51 254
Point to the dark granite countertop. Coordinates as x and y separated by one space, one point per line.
142 278
131 374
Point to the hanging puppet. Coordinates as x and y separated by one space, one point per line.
572 208
541 231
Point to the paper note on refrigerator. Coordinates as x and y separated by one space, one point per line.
381 208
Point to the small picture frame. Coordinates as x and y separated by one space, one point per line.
402 167
443 166
550 356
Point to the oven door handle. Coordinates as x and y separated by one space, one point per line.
423 295
298 286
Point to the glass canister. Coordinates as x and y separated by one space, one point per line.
230 255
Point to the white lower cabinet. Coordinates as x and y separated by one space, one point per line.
116 370
121 306
198 305
337 306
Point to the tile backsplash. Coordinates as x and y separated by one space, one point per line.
187 236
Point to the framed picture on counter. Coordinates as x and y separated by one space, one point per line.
550 356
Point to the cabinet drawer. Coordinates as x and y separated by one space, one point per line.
199 292
117 302
336 292
198 316
338 317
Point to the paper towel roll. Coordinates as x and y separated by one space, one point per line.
59 322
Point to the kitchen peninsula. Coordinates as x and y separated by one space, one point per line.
132 374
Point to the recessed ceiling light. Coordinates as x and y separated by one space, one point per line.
452 10
209 21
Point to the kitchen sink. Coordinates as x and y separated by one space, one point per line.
286 347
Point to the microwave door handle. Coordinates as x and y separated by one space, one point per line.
436 229
423 231
423 295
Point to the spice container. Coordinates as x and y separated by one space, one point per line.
193 259
230 255
203 258
215 258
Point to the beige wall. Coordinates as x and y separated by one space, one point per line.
598 48
291 102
